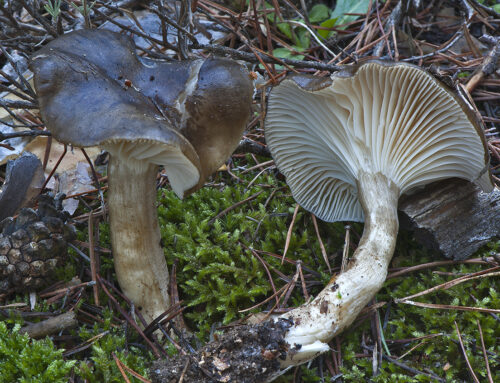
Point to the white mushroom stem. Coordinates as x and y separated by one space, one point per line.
139 260
337 306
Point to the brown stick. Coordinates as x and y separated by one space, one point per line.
51 325
487 67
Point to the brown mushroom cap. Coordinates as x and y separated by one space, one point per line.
388 118
188 116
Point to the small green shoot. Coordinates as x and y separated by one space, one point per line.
53 9
82 10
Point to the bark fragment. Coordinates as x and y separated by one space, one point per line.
452 216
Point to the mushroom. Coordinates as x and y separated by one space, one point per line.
187 116
349 146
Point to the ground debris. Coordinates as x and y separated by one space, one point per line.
246 354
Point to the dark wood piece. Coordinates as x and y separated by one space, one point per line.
452 216
22 184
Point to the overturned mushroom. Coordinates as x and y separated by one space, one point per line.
187 116
349 146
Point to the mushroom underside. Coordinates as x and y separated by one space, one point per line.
396 120
182 173
349 147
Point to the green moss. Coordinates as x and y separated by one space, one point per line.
100 366
30 361
217 272
104 369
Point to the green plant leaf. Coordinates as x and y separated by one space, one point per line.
349 6
304 38
284 53
327 24
319 13
286 29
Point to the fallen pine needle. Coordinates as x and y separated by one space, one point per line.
135 374
413 348
476 380
345 253
321 246
119 365
486 362
225 211
14 305
447 307
289 234
265 300
92 256
480 274
430 265
86 344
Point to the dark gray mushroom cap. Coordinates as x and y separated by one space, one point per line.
188 116
377 117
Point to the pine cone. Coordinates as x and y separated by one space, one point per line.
33 245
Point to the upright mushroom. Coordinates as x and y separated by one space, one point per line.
349 146
187 116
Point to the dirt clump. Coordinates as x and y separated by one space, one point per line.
250 353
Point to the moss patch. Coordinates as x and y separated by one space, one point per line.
217 272
35 361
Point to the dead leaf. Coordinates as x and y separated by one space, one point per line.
71 158
75 181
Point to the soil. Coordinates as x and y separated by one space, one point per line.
250 353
